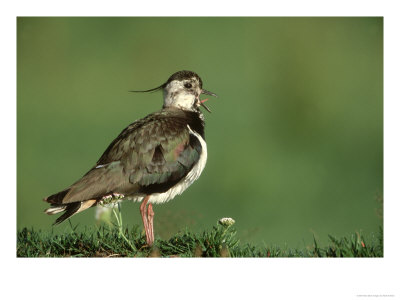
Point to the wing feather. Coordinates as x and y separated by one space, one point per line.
150 155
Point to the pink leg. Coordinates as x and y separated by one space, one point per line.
150 217
143 212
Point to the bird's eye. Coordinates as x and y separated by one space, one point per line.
188 85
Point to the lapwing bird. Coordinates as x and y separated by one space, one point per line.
151 161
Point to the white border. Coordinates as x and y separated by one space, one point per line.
199 278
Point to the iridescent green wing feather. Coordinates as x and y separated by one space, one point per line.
150 155
159 150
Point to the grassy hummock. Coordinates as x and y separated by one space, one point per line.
219 241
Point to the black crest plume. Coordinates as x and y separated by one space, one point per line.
180 75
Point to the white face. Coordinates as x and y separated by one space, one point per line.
183 94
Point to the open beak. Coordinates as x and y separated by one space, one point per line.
202 101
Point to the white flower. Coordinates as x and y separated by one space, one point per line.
226 222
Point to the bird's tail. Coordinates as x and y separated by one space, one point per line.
69 209
57 198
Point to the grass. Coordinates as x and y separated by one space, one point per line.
219 241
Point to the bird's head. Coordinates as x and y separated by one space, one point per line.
183 90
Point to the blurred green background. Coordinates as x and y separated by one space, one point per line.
295 139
